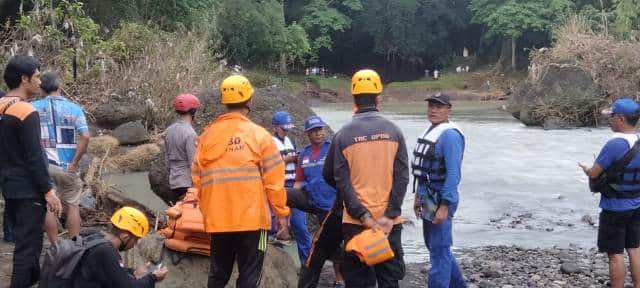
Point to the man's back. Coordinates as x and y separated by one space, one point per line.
61 120
21 158
180 146
238 169
373 150
102 267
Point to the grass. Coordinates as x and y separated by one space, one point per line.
449 81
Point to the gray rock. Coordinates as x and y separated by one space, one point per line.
486 284
115 113
569 268
159 179
588 219
560 89
192 270
131 133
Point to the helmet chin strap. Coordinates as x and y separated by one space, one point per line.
123 245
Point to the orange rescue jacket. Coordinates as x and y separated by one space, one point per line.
238 172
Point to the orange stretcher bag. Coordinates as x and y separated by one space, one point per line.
185 228
371 247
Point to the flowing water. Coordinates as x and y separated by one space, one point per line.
520 185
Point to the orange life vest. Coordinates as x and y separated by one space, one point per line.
185 228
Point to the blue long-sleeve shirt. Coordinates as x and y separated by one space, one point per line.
450 146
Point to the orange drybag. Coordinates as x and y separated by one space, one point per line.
371 246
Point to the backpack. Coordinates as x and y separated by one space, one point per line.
62 259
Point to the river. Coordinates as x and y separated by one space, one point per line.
520 185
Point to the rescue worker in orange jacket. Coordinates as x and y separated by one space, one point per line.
238 173
372 187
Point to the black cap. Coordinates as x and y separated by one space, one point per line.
440 98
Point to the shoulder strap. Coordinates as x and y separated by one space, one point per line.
14 101
619 166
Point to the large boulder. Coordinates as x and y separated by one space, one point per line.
115 113
560 95
186 270
159 179
131 133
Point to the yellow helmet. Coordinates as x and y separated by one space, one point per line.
366 81
235 89
132 220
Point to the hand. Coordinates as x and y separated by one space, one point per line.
585 169
417 207
283 228
160 273
73 167
385 223
53 203
441 214
370 223
142 270
290 158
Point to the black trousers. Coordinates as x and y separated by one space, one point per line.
27 218
326 245
247 248
179 193
387 274
7 231
299 199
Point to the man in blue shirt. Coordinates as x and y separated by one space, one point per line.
619 227
436 168
65 138
314 192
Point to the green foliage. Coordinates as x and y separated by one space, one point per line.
512 18
252 31
627 22
321 20
297 47
129 40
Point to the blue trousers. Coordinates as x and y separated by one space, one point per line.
301 233
445 271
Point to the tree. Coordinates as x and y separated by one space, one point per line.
627 21
512 18
322 18
252 31
297 46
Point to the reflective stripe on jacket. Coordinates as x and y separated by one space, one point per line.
238 172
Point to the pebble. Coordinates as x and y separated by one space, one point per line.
569 268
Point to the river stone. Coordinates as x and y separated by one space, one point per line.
569 268
159 179
131 133
192 270
114 113
566 88
486 284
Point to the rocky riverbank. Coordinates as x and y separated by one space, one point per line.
510 266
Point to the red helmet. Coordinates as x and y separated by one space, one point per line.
186 102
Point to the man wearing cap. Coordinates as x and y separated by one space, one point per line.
436 169
282 123
619 227
313 192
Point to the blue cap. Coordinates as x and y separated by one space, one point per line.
282 119
623 106
313 122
